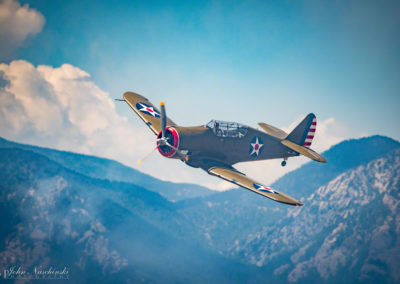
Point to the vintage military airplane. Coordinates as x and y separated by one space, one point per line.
218 145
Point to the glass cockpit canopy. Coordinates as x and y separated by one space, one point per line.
227 129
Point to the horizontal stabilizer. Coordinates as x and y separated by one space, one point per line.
273 131
304 151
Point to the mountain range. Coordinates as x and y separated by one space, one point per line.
102 168
110 223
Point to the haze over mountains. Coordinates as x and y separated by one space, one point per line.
112 170
108 222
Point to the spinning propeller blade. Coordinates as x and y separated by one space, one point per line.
163 119
162 141
145 157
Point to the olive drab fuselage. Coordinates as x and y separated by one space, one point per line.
203 143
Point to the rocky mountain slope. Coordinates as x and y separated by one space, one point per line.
249 213
341 157
349 231
113 231
100 230
102 168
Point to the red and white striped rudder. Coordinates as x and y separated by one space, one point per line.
311 133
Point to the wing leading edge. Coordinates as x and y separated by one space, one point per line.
242 180
146 111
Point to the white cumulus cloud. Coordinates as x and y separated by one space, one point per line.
16 24
62 108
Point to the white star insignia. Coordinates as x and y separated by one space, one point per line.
264 189
148 110
256 147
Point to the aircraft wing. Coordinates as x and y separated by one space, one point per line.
146 111
242 180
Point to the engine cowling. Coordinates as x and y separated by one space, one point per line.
173 138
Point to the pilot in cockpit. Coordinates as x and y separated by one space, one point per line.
216 128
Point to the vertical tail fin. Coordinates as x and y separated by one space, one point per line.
304 133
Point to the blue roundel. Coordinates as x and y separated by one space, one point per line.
256 146
149 110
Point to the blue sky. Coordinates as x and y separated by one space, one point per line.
246 61
282 58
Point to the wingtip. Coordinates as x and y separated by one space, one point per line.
126 95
